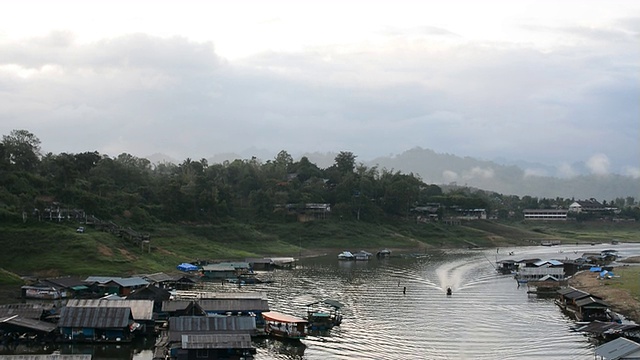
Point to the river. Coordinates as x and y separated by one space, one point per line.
487 317
396 308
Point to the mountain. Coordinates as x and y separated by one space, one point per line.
435 168
502 176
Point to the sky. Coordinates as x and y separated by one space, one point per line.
543 82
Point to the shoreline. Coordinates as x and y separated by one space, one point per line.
620 300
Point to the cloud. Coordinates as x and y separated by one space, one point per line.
634 172
146 94
598 164
535 172
449 176
478 172
566 171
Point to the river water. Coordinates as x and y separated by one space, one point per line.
396 308
487 317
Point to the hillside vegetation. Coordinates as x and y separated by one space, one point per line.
52 249
244 208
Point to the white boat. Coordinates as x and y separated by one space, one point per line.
363 255
346 255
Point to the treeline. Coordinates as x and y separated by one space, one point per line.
135 190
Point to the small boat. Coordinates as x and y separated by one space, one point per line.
324 315
384 253
346 255
363 255
284 326
448 291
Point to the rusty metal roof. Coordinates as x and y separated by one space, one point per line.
95 317
216 341
140 309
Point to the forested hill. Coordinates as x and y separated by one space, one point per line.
140 192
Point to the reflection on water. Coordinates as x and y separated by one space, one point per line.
487 317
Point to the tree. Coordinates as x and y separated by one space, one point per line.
21 149
345 161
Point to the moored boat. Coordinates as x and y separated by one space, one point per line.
362 255
346 255
284 326
324 315
384 253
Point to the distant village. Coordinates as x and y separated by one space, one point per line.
185 322
593 316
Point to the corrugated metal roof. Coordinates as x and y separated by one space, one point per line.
226 305
192 295
181 325
600 327
140 309
158 277
216 341
219 305
31 311
124 282
591 301
617 349
575 294
95 317
17 320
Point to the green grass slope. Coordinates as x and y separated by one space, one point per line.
51 249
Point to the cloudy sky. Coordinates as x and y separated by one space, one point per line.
550 82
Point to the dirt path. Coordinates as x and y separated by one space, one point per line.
620 300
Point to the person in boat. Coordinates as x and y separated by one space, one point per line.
448 291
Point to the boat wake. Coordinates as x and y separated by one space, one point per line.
456 275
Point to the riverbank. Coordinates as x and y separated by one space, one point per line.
620 292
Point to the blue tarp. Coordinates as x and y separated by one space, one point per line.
595 269
187 267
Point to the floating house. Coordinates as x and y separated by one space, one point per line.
153 293
27 311
42 291
618 349
196 337
541 269
226 270
141 310
271 263
506 267
55 288
221 306
213 346
607 330
583 306
27 328
96 324
115 285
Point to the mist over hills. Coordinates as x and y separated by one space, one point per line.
501 176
